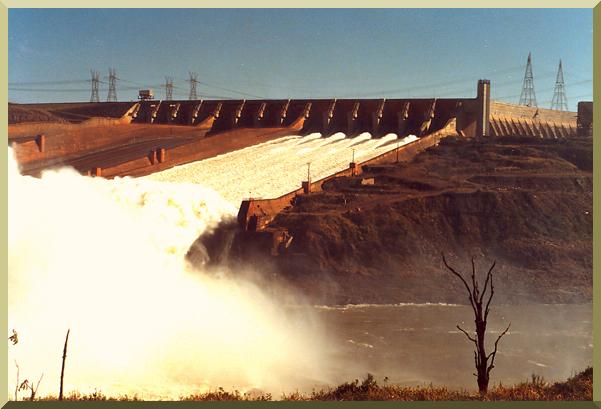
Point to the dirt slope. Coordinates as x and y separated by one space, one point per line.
526 203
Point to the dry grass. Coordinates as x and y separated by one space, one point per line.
94 396
578 387
221 394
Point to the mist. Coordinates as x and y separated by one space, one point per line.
106 259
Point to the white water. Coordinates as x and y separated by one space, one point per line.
271 169
105 259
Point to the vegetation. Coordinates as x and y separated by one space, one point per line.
578 387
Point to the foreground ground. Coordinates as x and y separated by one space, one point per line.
579 387
378 238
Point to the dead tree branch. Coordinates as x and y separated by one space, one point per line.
467 335
60 394
493 354
467 287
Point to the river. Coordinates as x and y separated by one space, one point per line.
417 344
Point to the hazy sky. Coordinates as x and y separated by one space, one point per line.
278 53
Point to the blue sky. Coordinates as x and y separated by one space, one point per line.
297 53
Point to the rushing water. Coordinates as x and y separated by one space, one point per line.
416 344
277 167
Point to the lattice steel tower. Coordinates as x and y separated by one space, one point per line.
95 81
193 80
560 101
168 88
528 97
112 97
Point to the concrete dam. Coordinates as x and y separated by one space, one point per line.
137 138
257 152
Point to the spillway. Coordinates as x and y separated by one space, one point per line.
276 167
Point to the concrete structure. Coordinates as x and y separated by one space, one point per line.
585 118
509 119
122 138
482 127
137 138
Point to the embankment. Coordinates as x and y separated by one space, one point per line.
378 237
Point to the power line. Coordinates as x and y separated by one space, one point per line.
168 88
547 89
49 82
559 101
231 90
49 89
193 80
528 96
448 87
431 85
112 95
95 79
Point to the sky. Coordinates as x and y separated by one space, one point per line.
298 53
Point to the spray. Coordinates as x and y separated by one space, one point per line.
106 258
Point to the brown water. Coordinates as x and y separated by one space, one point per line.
419 344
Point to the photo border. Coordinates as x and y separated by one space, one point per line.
7 4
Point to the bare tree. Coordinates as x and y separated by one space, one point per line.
481 358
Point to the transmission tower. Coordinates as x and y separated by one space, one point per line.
112 97
168 88
193 80
528 97
95 82
560 101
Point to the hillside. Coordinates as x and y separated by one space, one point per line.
526 203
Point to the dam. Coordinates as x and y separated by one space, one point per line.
139 138
261 153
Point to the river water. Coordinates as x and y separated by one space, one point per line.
417 344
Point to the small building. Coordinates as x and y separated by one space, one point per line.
145 94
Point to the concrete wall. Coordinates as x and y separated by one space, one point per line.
156 154
74 112
506 125
519 111
509 119
65 140
327 116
